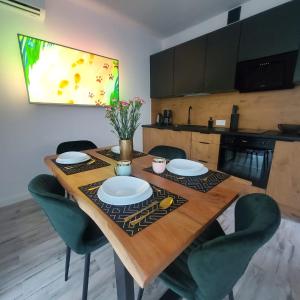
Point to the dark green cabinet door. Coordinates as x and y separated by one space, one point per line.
161 74
189 65
297 70
221 58
272 32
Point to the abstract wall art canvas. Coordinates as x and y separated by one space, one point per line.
62 75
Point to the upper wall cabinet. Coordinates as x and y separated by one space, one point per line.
189 67
272 32
221 57
161 74
208 63
296 6
297 71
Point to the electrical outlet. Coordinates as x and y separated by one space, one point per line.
220 122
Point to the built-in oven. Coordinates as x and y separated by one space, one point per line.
247 157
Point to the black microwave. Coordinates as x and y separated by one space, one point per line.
267 73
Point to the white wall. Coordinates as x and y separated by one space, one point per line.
28 132
249 8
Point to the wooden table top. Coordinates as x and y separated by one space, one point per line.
149 252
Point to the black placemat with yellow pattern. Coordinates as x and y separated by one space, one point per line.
202 183
93 163
115 156
119 212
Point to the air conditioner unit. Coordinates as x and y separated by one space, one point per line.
34 8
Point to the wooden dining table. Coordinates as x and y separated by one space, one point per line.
145 255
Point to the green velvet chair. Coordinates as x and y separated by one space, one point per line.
210 267
167 152
80 145
73 225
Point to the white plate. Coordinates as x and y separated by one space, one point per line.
115 149
185 167
124 190
72 157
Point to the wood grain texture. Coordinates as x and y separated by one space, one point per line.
32 258
206 138
284 180
153 137
205 148
259 110
149 252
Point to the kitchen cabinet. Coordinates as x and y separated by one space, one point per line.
153 137
297 71
221 58
272 32
189 67
208 63
205 149
161 74
284 179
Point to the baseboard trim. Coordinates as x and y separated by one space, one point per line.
15 199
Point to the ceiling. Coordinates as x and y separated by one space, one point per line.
167 17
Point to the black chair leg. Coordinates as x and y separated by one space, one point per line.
140 294
86 276
68 255
230 296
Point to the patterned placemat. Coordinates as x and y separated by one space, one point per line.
81 167
110 154
118 213
202 183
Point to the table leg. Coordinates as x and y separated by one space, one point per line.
125 286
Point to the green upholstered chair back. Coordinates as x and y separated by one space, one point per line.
167 152
218 264
69 221
80 145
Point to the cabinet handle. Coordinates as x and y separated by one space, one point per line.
203 161
206 143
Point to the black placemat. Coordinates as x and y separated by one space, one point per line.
115 156
81 167
202 183
117 212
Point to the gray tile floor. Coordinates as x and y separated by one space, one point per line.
32 262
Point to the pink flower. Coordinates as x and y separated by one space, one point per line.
124 103
138 99
108 108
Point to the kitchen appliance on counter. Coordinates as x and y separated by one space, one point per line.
268 73
167 117
159 119
247 157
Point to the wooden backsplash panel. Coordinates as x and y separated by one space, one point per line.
258 110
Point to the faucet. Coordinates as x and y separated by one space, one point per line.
189 115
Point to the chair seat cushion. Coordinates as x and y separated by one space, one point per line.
177 275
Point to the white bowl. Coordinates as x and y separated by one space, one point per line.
115 149
124 190
72 157
185 167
